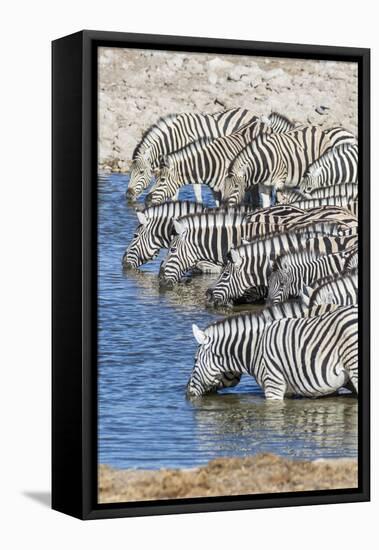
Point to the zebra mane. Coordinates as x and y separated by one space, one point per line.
213 219
193 147
276 117
169 209
332 153
153 129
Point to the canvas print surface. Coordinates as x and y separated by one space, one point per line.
227 275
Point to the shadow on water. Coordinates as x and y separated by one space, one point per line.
146 354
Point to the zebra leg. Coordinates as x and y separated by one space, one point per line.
273 196
197 192
273 382
264 196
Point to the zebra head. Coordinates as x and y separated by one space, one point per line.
145 245
140 176
166 184
311 180
180 258
210 372
279 286
239 281
234 187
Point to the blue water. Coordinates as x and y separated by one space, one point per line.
145 357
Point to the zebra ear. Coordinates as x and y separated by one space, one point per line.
235 257
199 335
179 227
142 218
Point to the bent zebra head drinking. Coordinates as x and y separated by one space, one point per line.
335 167
167 182
141 172
155 230
212 371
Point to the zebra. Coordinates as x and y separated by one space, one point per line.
208 236
341 290
348 191
249 265
154 231
292 271
308 356
175 131
280 160
335 167
206 161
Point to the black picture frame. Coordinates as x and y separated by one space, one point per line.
74 175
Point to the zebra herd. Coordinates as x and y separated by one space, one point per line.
294 245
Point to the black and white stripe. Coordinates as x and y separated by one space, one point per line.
308 356
347 191
343 202
335 167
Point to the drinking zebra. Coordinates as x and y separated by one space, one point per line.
175 131
308 356
293 271
280 160
208 236
154 231
249 265
340 290
335 167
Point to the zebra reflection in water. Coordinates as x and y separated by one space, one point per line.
303 428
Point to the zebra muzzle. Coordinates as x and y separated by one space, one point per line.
130 194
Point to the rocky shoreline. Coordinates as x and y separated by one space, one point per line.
136 87
264 473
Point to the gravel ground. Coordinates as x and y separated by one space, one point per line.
265 473
136 87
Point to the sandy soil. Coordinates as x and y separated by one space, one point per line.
138 86
265 473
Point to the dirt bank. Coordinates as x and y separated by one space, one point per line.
138 86
265 473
